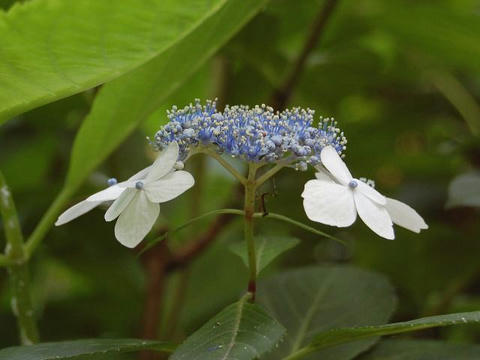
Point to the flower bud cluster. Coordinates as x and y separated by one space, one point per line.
256 134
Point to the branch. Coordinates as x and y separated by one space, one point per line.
154 263
282 95
192 250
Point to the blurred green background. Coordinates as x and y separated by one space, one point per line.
402 78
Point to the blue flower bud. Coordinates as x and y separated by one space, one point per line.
353 184
112 181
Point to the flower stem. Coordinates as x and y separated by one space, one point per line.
249 208
226 165
257 215
269 174
18 268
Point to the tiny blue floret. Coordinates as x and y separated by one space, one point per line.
257 134
139 185
353 184
112 181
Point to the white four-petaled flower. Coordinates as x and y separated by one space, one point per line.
335 198
136 201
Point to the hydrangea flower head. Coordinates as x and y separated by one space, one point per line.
257 134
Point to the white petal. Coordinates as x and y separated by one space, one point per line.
76 211
370 192
120 204
375 216
129 183
405 216
141 174
108 194
329 203
136 221
169 187
322 174
334 163
164 163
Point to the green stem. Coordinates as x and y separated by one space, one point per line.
47 221
5 261
269 174
242 213
298 224
18 269
249 209
226 165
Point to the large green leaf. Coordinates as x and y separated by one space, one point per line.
55 48
267 249
315 299
122 104
422 349
242 331
81 348
344 335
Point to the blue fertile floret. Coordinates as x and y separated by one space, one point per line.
254 134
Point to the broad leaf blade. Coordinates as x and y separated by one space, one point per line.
422 349
122 104
267 249
316 299
339 336
242 331
81 348
55 48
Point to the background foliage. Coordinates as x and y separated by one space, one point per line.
401 77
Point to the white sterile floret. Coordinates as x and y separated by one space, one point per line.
136 201
335 198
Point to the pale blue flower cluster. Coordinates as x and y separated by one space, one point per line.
256 134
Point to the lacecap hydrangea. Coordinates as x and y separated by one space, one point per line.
257 134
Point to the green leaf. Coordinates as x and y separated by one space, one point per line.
122 104
267 249
459 96
422 349
79 348
340 336
241 331
464 190
314 299
52 49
